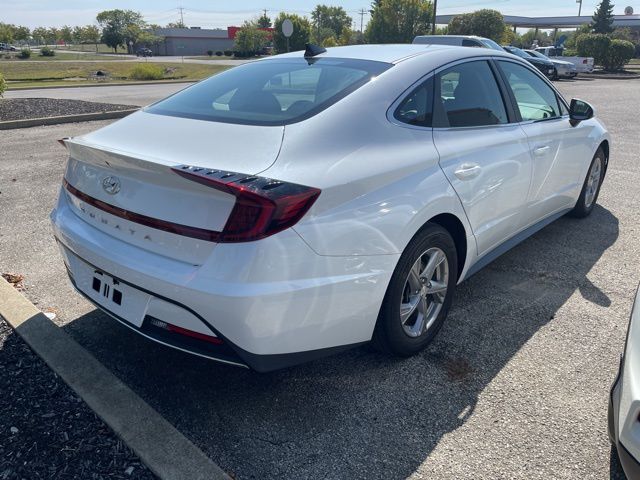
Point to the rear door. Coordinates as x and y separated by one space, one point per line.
558 149
483 151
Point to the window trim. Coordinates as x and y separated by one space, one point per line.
511 114
559 98
391 111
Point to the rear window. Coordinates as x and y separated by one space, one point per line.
272 92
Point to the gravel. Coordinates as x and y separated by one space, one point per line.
46 431
28 108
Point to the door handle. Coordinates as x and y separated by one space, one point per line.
467 171
540 151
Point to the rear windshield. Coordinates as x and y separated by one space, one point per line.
271 92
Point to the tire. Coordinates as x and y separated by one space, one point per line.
399 332
591 186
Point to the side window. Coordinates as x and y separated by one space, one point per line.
470 43
467 95
416 109
536 100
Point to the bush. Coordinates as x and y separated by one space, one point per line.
594 45
3 85
146 71
47 52
210 53
24 53
218 53
228 53
619 54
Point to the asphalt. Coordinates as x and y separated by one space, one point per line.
139 95
515 385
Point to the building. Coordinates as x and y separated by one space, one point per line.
554 23
195 40
192 41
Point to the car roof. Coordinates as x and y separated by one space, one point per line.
395 53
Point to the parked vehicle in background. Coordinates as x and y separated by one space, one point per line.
544 65
7 47
144 52
277 247
624 401
458 41
563 69
583 64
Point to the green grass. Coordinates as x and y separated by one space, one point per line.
21 74
60 55
102 48
207 57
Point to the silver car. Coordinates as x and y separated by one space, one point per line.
563 69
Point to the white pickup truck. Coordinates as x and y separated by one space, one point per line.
583 64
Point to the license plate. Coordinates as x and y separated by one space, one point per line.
114 296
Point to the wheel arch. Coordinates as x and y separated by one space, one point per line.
452 224
604 144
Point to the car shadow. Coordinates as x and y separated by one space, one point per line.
362 414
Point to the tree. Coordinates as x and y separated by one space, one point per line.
6 33
78 34
333 18
264 21
484 23
119 27
66 35
91 34
508 36
39 35
301 33
398 21
619 54
250 40
21 33
603 18
594 45
178 24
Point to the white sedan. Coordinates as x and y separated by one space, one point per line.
306 203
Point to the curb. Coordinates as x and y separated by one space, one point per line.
162 448
85 85
83 117
604 76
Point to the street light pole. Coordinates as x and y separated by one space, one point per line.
433 25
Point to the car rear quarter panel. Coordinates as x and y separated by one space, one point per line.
381 182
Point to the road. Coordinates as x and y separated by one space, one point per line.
515 386
127 95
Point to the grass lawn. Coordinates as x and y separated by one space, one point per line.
20 74
207 57
60 55
102 48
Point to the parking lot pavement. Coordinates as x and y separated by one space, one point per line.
124 94
515 385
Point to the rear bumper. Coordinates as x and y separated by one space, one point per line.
273 302
629 463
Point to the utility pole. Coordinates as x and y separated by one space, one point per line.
362 13
181 8
579 2
433 24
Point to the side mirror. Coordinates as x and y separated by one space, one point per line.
579 111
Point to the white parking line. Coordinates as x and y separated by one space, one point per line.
167 453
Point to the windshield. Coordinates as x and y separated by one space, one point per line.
517 51
271 92
487 42
533 53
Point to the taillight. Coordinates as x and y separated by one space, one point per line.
263 206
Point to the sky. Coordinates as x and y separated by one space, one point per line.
220 14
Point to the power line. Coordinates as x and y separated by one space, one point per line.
181 8
362 12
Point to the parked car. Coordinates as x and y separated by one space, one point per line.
7 47
545 66
334 210
624 401
583 64
144 52
563 69
457 40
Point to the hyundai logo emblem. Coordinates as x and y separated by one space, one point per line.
111 185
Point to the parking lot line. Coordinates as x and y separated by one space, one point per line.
167 453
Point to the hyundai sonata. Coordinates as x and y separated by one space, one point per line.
306 203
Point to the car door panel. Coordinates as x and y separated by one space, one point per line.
484 156
494 195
